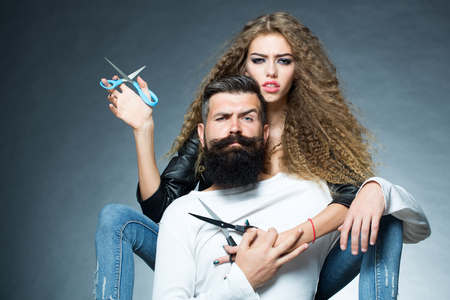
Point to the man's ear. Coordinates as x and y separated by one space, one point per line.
266 133
201 131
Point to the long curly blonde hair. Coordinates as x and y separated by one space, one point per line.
321 137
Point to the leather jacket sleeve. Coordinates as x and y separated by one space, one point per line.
343 193
178 179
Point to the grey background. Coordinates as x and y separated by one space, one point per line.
64 155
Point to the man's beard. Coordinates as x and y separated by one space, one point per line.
234 166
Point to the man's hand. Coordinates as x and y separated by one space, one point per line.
363 217
261 263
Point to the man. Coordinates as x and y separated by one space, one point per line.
233 134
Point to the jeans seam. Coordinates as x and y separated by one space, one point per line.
377 271
120 250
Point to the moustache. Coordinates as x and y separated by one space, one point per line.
237 138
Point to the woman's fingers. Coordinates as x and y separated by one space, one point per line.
293 254
287 244
113 109
230 250
345 229
106 83
141 82
374 231
365 231
224 260
356 229
143 85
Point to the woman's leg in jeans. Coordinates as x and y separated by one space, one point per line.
121 231
379 266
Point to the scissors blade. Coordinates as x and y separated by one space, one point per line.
213 221
132 75
125 76
224 230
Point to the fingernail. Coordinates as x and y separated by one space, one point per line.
246 222
300 230
342 247
363 249
215 262
354 252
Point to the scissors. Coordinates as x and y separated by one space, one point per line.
129 78
223 225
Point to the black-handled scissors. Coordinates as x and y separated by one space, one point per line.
223 225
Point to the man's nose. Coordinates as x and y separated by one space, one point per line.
235 125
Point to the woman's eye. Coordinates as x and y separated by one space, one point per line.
285 61
257 60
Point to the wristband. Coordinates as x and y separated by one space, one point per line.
314 230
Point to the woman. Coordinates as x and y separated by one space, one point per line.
313 136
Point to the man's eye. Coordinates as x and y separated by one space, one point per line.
285 61
258 60
248 119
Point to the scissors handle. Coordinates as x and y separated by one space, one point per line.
230 241
243 229
113 83
144 96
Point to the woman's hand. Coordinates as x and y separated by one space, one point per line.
261 263
128 106
363 217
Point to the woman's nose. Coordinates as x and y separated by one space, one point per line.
271 70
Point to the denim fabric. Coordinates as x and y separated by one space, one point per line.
121 232
378 267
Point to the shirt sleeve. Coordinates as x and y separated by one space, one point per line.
403 206
342 193
175 272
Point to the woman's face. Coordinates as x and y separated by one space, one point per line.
271 63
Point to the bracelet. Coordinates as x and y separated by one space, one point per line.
314 230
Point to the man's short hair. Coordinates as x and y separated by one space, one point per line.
235 84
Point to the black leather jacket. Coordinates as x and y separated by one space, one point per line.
178 179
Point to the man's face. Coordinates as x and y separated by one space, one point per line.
231 114
233 139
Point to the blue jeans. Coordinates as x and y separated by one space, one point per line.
123 230
378 267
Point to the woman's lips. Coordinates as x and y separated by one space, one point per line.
271 86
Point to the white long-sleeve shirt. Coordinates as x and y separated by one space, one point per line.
402 205
187 246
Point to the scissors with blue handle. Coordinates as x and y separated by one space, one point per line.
129 78
223 225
